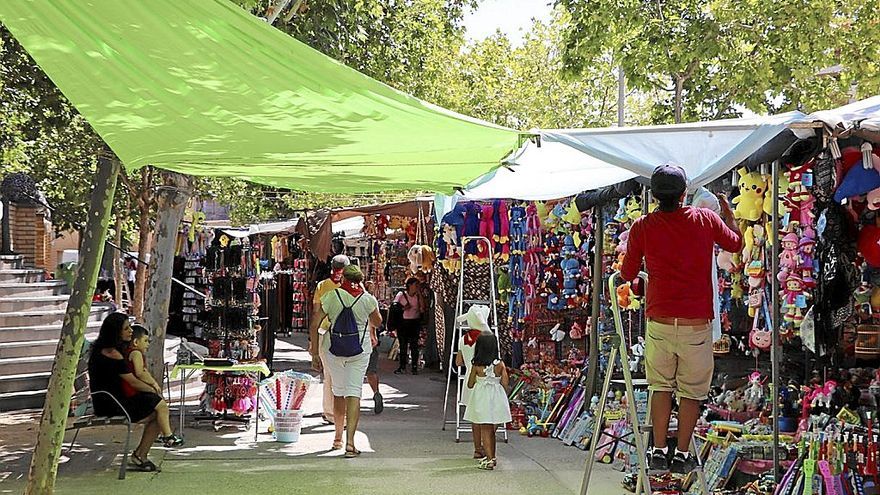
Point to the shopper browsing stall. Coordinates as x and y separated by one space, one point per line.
487 406
677 243
354 317
329 284
410 327
477 320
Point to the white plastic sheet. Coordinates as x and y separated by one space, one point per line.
706 150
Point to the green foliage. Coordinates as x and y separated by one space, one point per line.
728 54
524 87
42 134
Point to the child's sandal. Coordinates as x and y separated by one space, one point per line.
487 464
172 440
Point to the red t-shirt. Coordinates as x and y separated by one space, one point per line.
677 248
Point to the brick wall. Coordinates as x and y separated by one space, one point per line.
31 235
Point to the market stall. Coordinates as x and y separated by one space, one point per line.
804 280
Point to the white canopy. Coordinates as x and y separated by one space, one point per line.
706 150
549 171
866 112
569 161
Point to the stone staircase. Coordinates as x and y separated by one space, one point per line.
31 312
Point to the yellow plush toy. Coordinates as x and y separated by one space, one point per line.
750 202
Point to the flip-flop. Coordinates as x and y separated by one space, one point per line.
351 454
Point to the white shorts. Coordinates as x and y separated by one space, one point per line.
347 373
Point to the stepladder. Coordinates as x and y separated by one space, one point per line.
640 430
456 379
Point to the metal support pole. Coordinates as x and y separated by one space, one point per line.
775 350
598 245
621 97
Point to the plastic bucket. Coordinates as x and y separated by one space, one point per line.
288 425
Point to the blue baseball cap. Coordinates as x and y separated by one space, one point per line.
668 179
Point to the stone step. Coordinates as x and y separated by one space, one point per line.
47 288
11 261
41 318
24 382
22 275
27 399
32 303
26 365
29 348
39 332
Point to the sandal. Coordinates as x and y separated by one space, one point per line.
337 444
487 464
479 455
144 465
172 440
351 452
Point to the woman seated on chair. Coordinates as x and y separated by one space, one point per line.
108 372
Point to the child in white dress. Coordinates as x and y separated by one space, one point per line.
488 406
476 319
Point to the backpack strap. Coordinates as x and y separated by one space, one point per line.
356 299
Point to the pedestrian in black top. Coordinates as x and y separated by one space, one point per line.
109 372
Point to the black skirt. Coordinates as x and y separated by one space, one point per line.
141 405
138 406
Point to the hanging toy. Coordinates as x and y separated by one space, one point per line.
794 300
557 335
749 203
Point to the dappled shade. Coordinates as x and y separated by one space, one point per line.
205 88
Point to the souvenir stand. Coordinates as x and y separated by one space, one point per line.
805 279
227 328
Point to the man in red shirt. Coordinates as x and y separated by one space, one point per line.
677 243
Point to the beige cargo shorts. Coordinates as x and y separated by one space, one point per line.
678 358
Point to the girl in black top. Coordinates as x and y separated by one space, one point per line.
108 371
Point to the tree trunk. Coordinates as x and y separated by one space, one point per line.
679 85
145 200
145 235
170 204
119 277
44 463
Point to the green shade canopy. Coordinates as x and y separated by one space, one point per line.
202 87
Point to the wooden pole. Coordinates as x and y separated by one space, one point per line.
44 463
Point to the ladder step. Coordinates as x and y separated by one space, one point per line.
475 301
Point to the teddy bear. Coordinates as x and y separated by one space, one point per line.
750 202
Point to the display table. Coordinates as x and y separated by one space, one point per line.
186 370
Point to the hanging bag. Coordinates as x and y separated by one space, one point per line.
344 340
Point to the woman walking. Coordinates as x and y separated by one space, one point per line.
411 327
354 317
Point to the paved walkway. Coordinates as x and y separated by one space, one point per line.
405 453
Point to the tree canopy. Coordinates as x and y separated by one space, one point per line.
712 58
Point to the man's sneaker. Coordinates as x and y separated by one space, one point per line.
658 461
683 463
378 403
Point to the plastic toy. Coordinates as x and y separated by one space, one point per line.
749 203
